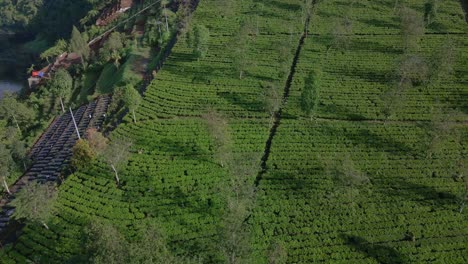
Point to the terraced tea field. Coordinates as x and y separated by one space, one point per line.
349 183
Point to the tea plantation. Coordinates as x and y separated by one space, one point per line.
373 171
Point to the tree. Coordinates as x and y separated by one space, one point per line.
240 196
285 57
442 61
78 45
307 9
219 131
152 248
412 28
15 112
240 48
201 36
105 244
277 254
309 93
61 86
35 203
97 142
412 70
131 99
19 152
83 155
117 154
59 48
112 48
272 98
431 7
5 165
343 28
184 17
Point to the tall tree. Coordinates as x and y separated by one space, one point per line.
431 8
412 28
219 131
5 166
19 152
106 244
35 203
309 92
117 154
16 112
277 254
201 36
442 61
96 140
240 196
111 50
341 33
412 70
240 46
131 99
272 98
79 45
61 86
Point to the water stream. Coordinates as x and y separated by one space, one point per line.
11 86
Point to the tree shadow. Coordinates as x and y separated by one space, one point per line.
381 253
246 103
360 44
339 111
421 194
281 5
365 136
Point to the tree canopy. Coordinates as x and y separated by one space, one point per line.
35 202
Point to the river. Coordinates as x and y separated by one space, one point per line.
11 86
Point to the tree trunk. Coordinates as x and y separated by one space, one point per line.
45 225
165 15
61 104
116 174
134 117
16 122
6 186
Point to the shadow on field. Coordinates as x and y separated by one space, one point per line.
365 136
281 5
421 194
239 99
339 111
381 253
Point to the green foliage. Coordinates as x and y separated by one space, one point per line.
105 244
6 163
79 45
35 203
132 99
17 113
18 14
60 47
201 37
310 91
61 85
82 154
112 49
412 28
